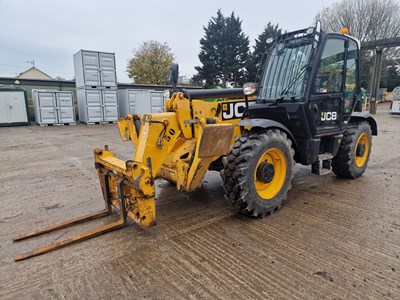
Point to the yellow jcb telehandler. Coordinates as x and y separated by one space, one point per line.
306 108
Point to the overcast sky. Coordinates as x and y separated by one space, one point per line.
51 31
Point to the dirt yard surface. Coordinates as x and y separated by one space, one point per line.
333 238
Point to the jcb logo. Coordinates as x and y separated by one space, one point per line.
328 116
232 110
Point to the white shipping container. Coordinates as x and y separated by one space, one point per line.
94 69
13 107
140 102
97 105
53 107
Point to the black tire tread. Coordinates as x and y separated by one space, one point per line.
342 163
235 186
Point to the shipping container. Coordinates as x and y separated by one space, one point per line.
97 105
13 107
94 69
53 107
140 101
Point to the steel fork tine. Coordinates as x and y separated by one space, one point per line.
72 240
119 204
63 224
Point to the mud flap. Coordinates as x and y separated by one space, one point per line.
213 141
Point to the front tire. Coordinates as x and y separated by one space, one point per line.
258 172
354 151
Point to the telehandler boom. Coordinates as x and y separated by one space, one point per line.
306 108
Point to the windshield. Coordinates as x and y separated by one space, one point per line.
285 72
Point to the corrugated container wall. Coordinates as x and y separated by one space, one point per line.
96 83
140 102
53 107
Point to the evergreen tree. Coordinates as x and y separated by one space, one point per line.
224 52
260 49
390 78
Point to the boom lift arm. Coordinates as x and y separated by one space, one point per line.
171 145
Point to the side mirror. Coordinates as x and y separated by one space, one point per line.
174 74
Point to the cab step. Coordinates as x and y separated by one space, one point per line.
323 164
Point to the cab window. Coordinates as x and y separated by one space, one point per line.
329 77
351 76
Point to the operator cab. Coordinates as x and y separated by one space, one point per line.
310 85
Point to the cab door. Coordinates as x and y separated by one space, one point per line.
334 86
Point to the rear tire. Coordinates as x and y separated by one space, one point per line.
258 172
354 151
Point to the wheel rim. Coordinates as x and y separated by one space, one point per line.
276 158
361 155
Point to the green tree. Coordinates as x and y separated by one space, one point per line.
224 52
260 49
390 78
196 80
150 63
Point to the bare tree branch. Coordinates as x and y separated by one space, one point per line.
368 20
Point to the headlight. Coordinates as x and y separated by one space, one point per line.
249 88
167 94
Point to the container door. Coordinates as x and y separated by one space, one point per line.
13 107
93 98
157 101
108 78
94 106
95 114
132 102
65 108
4 108
17 106
107 69
90 60
107 61
110 102
143 104
47 108
92 77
